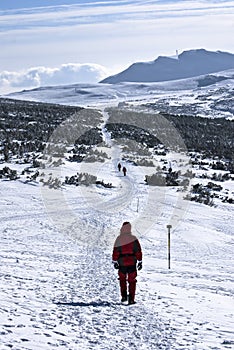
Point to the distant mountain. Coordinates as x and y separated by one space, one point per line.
188 64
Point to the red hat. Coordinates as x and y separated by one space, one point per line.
126 227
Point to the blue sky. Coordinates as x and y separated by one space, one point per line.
105 36
17 4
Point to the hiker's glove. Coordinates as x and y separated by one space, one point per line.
139 265
116 265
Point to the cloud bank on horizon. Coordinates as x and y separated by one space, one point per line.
108 34
42 76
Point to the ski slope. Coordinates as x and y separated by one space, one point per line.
58 288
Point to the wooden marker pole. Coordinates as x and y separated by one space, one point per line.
137 205
169 245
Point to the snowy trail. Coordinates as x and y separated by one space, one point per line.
69 303
56 293
60 295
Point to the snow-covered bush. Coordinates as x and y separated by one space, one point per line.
145 162
102 183
52 182
80 179
201 194
8 173
155 180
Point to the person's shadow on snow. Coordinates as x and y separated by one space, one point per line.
82 303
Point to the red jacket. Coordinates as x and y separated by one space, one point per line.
127 250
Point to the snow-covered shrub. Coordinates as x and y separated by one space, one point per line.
102 183
201 194
52 182
145 162
95 156
155 180
81 179
34 176
228 200
214 187
58 162
163 179
8 173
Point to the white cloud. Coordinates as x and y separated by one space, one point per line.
70 73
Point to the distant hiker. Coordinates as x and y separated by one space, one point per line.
170 168
119 166
127 258
124 171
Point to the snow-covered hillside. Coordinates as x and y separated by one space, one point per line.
58 288
206 95
56 293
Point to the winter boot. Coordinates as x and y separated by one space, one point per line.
131 300
124 297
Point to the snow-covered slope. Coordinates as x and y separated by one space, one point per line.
207 95
58 289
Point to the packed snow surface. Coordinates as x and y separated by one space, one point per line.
58 288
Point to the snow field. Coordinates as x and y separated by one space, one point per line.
57 292
58 288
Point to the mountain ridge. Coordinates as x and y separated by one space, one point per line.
188 64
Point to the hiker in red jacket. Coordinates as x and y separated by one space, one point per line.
127 258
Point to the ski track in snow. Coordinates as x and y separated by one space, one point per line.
57 293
